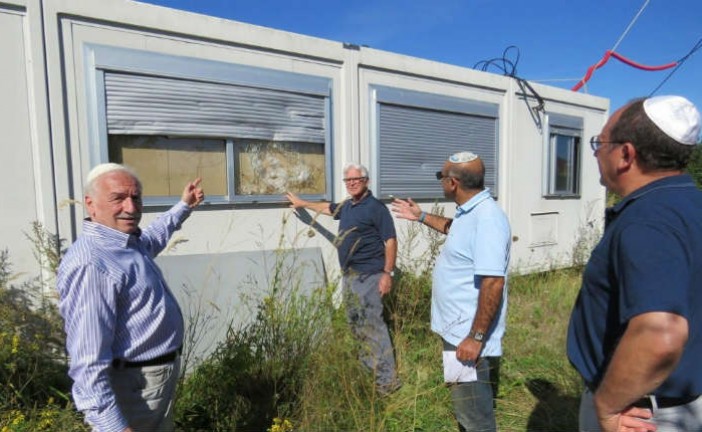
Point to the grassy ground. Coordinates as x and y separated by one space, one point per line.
299 363
539 391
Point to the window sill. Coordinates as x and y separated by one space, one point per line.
562 197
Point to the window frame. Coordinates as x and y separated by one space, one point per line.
559 125
101 59
164 200
437 104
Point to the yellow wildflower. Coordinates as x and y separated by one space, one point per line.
18 418
281 425
15 343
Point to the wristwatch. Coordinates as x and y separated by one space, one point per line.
391 273
477 335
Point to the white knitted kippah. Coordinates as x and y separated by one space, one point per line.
676 116
462 157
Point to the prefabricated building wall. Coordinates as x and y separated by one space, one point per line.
255 112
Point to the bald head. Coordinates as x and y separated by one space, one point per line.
468 169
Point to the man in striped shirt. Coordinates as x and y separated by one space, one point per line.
124 328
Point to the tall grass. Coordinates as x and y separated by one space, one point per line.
340 394
539 389
34 383
255 376
295 367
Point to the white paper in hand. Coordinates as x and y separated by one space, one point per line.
455 371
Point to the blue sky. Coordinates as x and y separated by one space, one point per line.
557 39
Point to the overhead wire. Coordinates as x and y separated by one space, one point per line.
631 24
680 62
508 67
610 52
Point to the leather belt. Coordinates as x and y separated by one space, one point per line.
660 401
160 360
663 402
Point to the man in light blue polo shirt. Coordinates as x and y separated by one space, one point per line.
469 290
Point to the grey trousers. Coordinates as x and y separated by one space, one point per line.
145 395
364 308
683 418
474 402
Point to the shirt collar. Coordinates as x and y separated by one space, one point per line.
105 234
472 203
367 194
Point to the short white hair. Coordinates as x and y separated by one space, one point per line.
356 166
103 169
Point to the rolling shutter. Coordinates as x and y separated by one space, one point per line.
153 105
415 141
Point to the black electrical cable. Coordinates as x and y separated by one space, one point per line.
508 67
680 62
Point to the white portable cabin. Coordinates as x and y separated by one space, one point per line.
255 111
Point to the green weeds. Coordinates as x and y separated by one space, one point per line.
34 383
295 366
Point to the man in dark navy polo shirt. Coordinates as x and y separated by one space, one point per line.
367 248
634 333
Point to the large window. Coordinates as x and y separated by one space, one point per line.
249 133
564 150
166 164
267 168
415 132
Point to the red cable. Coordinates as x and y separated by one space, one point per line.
591 69
605 59
643 67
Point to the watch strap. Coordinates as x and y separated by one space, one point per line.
477 335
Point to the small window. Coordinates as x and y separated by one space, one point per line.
564 164
563 150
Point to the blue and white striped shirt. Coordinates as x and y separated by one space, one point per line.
116 304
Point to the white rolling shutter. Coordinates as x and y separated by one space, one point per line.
417 132
152 105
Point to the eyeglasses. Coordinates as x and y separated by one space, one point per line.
354 179
595 143
440 176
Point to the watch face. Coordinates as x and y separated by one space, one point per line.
479 336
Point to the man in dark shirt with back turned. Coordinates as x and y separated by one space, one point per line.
634 331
